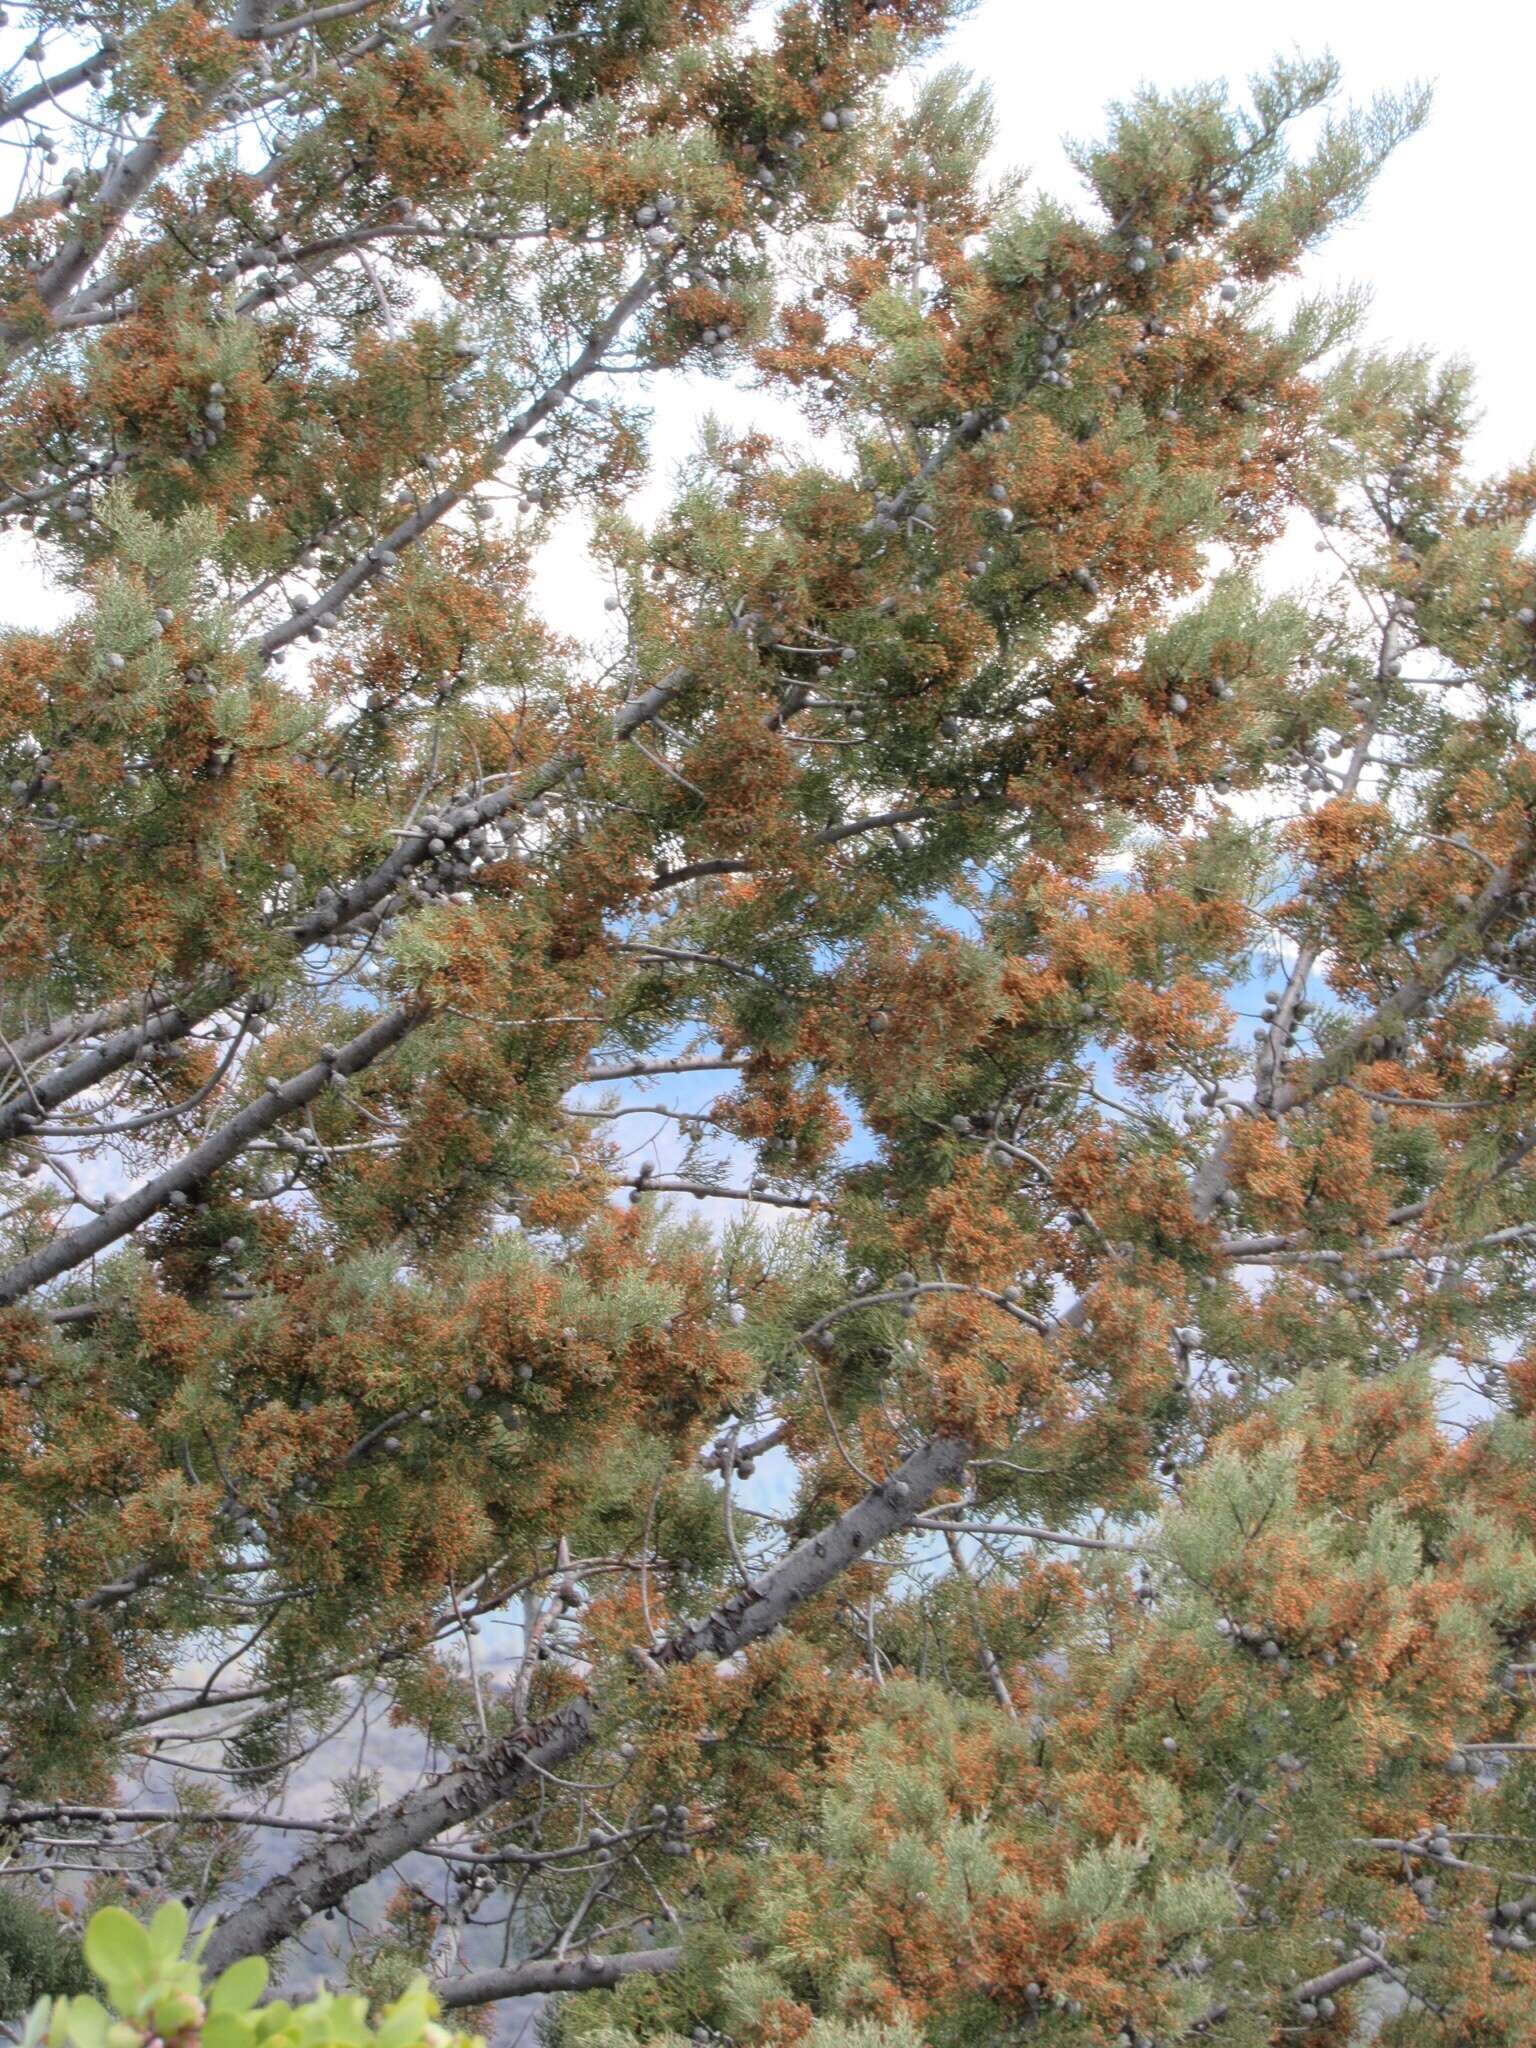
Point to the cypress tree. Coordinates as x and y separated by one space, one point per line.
861 1239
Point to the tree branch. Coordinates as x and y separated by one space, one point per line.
557 1973
174 1021
629 1070
1406 1001
329 1873
437 507
225 1143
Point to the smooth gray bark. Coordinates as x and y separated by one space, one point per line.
335 1868
565 1973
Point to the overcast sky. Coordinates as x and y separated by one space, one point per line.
1443 243
1445 240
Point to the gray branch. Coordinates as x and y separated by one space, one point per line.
437 507
1341 1978
1406 1001
560 1973
120 1219
48 89
330 1872
629 1070
174 1021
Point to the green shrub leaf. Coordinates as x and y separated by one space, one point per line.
89 2018
168 1930
117 1948
238 1989
228 2029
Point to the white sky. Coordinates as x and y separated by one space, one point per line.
1442 243
1445 240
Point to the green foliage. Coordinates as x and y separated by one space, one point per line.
1314 196
39 1957
895 865
153 1990
942 143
